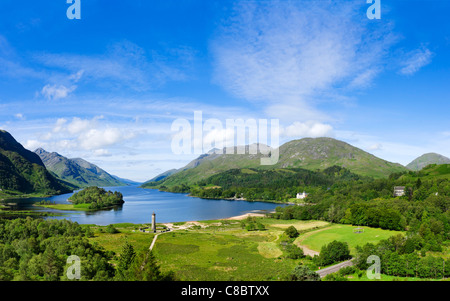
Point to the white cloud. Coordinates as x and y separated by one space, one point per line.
95 139
19 116
415 60
307 129
82 134
33 144
101 153
55 92
376 146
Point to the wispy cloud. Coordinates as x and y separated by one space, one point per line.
124 65
12 65
415 60
291 52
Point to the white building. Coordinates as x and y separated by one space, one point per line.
399 191
302 195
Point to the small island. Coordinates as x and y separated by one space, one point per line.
95 198
88 199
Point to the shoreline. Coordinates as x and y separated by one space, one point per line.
188 224
244 216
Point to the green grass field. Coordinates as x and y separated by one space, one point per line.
223 251
228 254
316 239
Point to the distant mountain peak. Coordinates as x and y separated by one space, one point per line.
77 171
427 159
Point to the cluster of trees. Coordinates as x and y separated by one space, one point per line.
183 188
292 251
252 224
335 251
34 249
97 198
37 250
399 256
374 215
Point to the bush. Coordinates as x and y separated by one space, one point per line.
292 232
111 230
294 252
335 251
304 273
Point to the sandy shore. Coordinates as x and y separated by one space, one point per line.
244 216
199 223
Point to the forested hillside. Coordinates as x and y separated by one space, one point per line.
22 171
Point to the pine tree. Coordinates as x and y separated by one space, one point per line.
125 260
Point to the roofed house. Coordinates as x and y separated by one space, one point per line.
302 195
399 191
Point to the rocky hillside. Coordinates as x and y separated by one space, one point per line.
77 171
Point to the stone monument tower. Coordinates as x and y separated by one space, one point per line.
154 222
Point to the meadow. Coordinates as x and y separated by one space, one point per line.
222 250
315 240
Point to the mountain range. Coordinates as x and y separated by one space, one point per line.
42 172
22 171
306 153
77 171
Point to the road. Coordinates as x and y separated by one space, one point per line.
334 268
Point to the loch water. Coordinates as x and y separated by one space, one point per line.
140 203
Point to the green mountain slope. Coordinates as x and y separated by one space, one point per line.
321 153
77 171
427 159
307 153
162 176
22 171
209 164
431 171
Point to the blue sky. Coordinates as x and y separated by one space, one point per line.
108 87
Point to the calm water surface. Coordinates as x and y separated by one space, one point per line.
141 203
